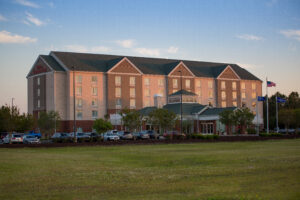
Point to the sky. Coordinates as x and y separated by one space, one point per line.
262 36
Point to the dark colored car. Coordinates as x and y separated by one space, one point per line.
141 135
30 139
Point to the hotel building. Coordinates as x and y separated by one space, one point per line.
105 84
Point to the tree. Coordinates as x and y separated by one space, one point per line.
297 118
243 118
163 118
101 125
25 122
286 116
131 119
227 118
47 122
293 101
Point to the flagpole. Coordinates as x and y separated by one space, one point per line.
267 106
257 125
276 114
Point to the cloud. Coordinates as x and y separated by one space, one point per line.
33 20
7 37
85 49
147 52
172 50
293 34
249 37
51 4
271 3
27 3
2 18
246 65
126 43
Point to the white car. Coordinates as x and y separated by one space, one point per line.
108 136
15 138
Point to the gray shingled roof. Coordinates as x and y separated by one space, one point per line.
183 92
216 111
187 108
52 63
159 66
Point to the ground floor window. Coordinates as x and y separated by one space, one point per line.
207 128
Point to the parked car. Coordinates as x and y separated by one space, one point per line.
16 138
30 139
152 134
141 135
127 136
60 137
173 134
6 139
109 136
37 135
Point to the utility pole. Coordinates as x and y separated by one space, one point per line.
74 119
180 101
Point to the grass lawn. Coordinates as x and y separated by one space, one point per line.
237 170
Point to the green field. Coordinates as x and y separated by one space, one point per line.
237 170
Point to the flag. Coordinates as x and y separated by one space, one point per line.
271 84
259 98
280 100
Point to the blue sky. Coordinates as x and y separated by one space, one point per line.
261 36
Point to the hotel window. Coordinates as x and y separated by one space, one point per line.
147 92
234 103
94 102
38 92
175 83
243 95
94 79
223 85
253 104
132 92
79 102
199 100
132 81
161 92
253 86
94 91
161 82
210 94
223 104
234 85
199 93
244 104
38 81
79 90
253 95
198 83
243 85
118 80
132 103
147 102
79 114
234 96
188 83
147 81
38 103
78 79
118 103
210 84
94 113
210 103
223 95
118 92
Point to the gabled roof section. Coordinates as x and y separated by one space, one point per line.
183 92
52 63
40 66
127 67
228 73
185 71
147 110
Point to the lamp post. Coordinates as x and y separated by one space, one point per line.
74 122
180 101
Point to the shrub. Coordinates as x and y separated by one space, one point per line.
251 131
